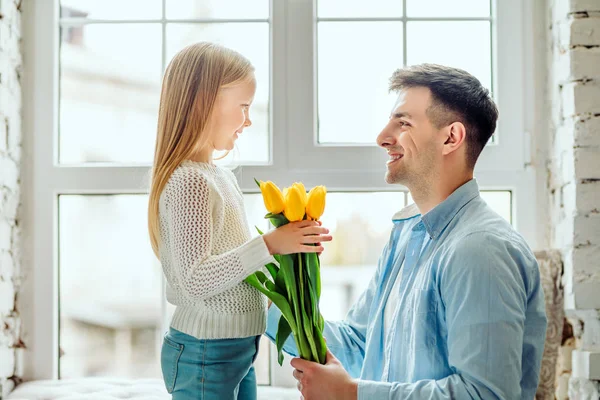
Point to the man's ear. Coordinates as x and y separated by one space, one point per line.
456 134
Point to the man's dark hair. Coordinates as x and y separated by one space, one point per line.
457 96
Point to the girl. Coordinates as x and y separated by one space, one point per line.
199 231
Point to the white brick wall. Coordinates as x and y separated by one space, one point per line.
574 166
575 146
10 157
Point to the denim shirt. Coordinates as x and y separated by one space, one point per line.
470 321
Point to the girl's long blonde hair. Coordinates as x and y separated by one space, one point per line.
189 90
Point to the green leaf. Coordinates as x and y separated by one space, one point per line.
259 280
284 306
277 219
295 290
314 279
317 331
280 282
273 270
262 278
257 182
283 332
280 301
289 275
270 286
252 280
265 281
306 307
308 329
321 346
321 323
314 272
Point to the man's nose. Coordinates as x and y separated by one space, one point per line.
385 138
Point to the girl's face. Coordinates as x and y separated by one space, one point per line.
231 114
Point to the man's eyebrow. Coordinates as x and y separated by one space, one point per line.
401 114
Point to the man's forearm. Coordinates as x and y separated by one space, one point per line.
453 386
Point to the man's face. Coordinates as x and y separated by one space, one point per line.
413 143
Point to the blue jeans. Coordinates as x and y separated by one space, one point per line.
201 369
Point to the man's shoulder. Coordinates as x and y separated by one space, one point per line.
479 222
478 229
489 246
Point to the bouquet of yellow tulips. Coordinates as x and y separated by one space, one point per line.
295 286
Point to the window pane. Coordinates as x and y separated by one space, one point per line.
251 40
445 8
464 44
110 288
111 9
255 213
499 201
359 8
205 9
355 62
360 224
109 92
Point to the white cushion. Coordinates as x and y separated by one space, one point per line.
115 388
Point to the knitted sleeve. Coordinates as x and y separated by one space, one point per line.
190 205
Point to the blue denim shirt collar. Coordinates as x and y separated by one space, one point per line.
439 217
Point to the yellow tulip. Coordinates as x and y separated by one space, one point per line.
301 188
295 205
272 197
316 202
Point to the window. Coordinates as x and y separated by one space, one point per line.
322 69
350 35
112 58
110 288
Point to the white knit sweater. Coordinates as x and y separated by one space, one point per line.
206 251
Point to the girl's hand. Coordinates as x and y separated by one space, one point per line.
297 237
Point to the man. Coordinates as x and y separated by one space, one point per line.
455 309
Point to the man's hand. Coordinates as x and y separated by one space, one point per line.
328 382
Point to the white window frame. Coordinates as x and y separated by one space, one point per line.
294 154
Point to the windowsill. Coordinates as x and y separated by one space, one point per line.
114 388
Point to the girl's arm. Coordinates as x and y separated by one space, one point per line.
189 216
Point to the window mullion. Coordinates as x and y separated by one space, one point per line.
40 292
301 73
84 179
278 83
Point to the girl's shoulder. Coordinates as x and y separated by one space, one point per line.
230 174
189 179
